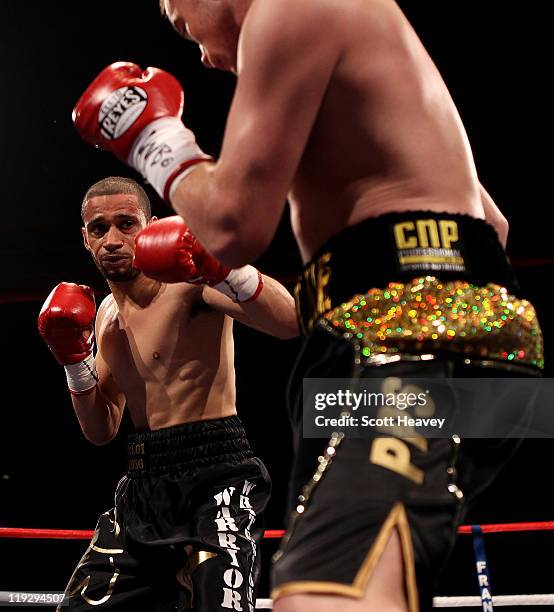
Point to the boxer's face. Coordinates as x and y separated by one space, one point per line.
111 224
211 24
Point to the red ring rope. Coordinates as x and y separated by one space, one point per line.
507 527
80 534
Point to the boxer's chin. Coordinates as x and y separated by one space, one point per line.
119 275
122 277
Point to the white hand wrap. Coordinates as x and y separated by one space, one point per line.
163 151
81 377
242 285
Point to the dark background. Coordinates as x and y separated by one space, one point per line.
492 59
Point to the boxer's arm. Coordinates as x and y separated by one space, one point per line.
285 64
99 412
272 312
494 217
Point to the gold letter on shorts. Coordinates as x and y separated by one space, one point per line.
449 233
428 233
402 241
393 454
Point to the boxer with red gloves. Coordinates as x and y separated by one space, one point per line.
187 519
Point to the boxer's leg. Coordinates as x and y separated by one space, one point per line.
384 593
231 519
379 522
110 578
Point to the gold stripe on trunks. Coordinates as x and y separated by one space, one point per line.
396 519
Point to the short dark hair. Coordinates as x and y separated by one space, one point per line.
115 185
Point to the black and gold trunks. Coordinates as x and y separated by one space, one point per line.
418 282
402 296
186 527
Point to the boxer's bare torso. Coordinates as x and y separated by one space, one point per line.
164 350
337 106
387 136
171 356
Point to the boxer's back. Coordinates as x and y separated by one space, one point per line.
171 357
387 136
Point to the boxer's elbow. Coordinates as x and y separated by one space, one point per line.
96 439
286 314
98 434
238 242
503 229
289 330
238 253
501 226
494 216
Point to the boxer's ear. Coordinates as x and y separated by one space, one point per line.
152 219
85 238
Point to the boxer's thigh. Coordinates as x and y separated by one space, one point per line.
230 518
110 577
369 488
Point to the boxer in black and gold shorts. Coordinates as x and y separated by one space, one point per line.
437 299
186 525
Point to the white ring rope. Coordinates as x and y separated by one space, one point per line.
499 600
463 601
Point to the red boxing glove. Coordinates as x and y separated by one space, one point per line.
136 115
167 251
66 323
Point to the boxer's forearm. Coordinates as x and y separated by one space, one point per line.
226 218
272 312
202 203
96 417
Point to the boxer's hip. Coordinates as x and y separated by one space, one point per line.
175 472
186 448
420 282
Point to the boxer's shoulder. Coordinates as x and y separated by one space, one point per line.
185 292
174 302
106 317
107 309
295 15
321 17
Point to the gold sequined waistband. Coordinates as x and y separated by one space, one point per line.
426 315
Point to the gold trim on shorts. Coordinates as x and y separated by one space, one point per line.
396 519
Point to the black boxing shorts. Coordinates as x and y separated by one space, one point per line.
406 295
185 530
